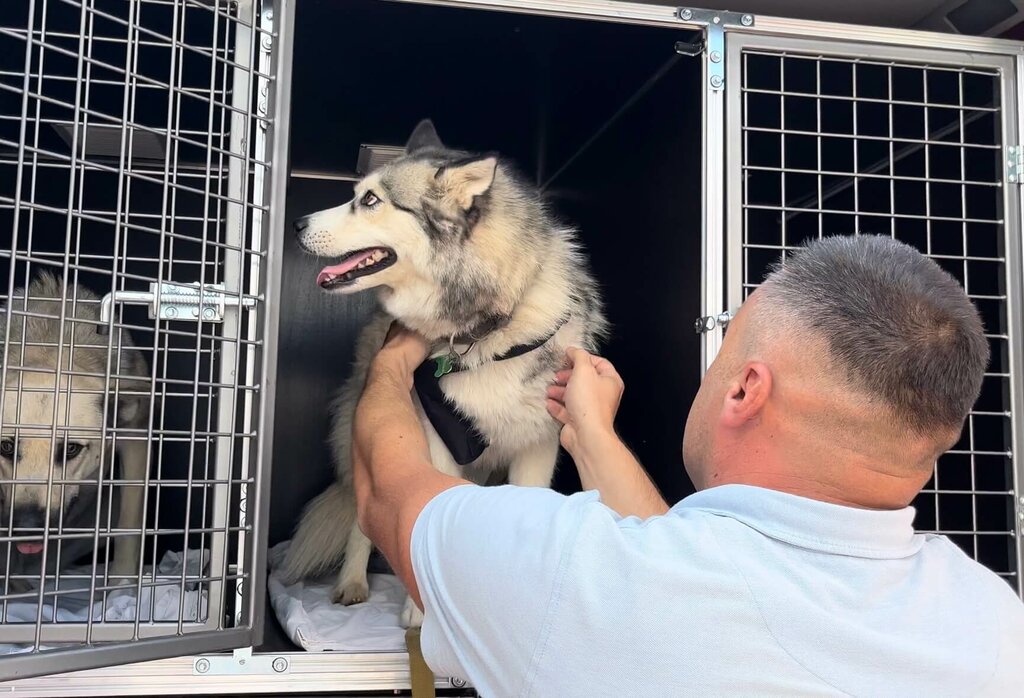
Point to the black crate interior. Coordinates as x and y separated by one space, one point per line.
536 90
549 94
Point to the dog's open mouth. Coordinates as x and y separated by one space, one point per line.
29 548
355 265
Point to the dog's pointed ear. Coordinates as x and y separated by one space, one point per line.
467 179
423 136
122 412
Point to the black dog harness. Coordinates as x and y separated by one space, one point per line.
456 430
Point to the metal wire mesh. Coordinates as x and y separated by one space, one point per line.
130 155
834 145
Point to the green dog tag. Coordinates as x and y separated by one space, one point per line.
445 365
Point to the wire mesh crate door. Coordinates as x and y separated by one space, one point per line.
829 138
133 140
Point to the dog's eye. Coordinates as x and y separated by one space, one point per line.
72 450
369 199
7 448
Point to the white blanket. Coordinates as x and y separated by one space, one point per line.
316 624
164 599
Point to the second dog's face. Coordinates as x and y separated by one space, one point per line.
31 453
400 219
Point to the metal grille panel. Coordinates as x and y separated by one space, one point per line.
833 144
131 155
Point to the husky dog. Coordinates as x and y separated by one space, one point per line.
30 454
463 252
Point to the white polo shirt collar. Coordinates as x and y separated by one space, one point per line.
812 524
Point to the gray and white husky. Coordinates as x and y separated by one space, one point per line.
31 459
465 253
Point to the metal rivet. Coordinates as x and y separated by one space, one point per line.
170 312
717 20
716 57
241 662
686 14
716 80
208 313
269 14
202 665
747 20
457 682
280 664
195 312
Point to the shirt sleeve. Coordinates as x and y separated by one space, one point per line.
489 563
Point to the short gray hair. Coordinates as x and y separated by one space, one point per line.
900 326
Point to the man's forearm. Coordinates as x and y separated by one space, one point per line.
391 469
608 466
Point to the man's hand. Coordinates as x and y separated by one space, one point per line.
402 352
585 399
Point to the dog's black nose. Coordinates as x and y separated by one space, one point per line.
301 224
28 516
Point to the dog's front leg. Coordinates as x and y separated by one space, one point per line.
134 456
535 466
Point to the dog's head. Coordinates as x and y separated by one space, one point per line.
425 203
51 441
37 452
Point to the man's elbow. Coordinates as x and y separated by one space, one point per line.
364 505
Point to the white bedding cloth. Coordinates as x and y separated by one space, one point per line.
163 599
316 624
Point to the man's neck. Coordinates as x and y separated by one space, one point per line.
861 490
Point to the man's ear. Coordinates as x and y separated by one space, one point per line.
747 394
424 136
467 179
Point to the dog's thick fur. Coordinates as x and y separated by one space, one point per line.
32 359
477 255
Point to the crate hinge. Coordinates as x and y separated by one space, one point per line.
1014 163
241 662
705 324
714 46
167 301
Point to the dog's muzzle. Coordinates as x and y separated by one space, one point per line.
301 224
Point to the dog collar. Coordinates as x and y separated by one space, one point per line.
456 429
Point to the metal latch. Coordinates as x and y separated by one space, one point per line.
1014 163
177 302
241 662
709 322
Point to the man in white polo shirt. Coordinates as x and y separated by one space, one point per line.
793 570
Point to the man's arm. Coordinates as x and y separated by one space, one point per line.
392 474
585 399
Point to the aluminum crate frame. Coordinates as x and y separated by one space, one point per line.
366 672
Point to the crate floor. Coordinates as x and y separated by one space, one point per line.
160 602
313 622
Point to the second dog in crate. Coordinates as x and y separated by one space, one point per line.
52 454
462 251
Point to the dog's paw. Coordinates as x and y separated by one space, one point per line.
351 593
412 616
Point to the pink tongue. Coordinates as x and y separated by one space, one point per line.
339 269
29 548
